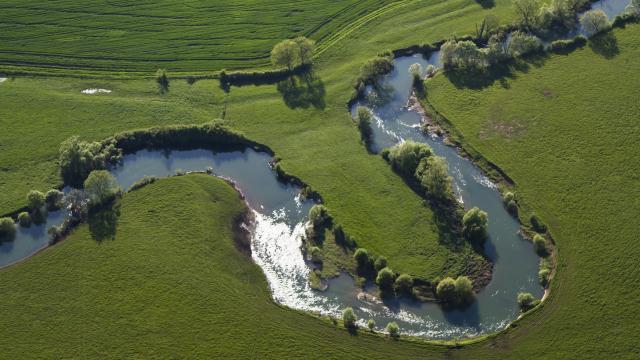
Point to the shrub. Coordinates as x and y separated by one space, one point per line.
416 71
393 329
527 12
362 259
78 158
349 318
510 202
24 219
464 289
162 79
363 122
53 198
474 225
540 244
435 178
406 156
508 196
316 254
385 280
380 263
495 51
404 284
430 70
446 290
522 43
100 187
543 276
371 324
537 224
526 301
35 200
374 68
7 227
462 54
319 216
594 21
339 235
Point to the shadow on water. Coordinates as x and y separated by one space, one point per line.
302 91
469 316
605 45
103 222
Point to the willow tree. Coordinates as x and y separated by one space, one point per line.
305 49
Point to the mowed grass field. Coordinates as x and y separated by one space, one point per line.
140 37
567 131
170 284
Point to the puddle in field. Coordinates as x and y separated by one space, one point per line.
95 91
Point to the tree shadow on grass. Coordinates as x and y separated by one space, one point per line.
302 91
605 45
486 4
104 222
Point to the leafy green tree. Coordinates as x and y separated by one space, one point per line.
406 156
7 227
35 200
319 216
162 79
522 43
371 324
464 289
446 290
100 187
543 276
527 12
594 21
53 199
364 124
634 7
385 280
305 49
285 53
24 219
526 301
373 69
78 158
404 284
495 51
380 263
436 179
540 244
362 259
393 329
349 318
474 225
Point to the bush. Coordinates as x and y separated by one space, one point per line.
393 329
522 43
380 263
474 225
446 290
24 219
527 12
510 203
462 54
526 301
54 199
362 260
540 244
537 224
316 254
100 187
319 216
594 22
7 227
374 68
78 158
434 177
371 324
363 122
464 289
543 276
349 318
404 284
35 200
406 156
385 280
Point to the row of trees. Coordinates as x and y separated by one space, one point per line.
455 292
290 53
349 319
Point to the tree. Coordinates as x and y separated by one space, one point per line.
447 52
362 260
385 280
436 179
7 227
100 186
364 124
526 301
393 329
24 219
305 49
380 263
540 244
35 200
527 12
594 21
462 54
415 70
404 284
319 216
464 289
446 290
522 43
406 156
349 318
371 324
285 53
371 71
474 225
53 199
78 158
495 50
634 7
162 79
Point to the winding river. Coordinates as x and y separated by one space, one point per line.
280 215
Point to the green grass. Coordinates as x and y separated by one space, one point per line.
566 130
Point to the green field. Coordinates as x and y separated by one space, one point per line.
564 127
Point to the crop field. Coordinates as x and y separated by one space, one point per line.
171 283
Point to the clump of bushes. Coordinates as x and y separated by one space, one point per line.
406 156
434 177
522 43
463 54
455 292
393 330
385 281
100 187
509 200
380 263
540 244
363 122
7 227
594 22
543 276
290 53
349 318
374 68
526 301
371 324
474 225
35 200
54 199
403 284
78 158
319 216
363 262
24 219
